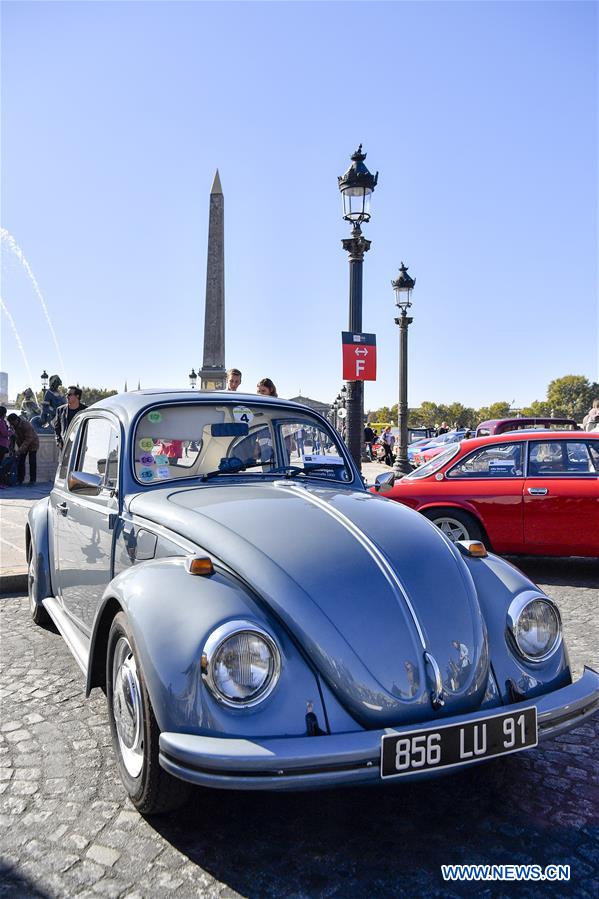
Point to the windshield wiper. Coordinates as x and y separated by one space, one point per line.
230 466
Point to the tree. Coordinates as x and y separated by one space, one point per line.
537 409
495 410
571 396
95 394
456 413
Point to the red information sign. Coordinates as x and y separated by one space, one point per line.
359 356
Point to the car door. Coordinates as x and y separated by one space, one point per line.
489 481
85 519
561 498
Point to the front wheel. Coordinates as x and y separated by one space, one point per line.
38 613
134 729
455 524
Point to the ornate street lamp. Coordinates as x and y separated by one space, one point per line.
356 187
403 288
44 380
193 379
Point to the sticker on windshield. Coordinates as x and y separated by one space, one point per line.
154 417
146 474
163 473
146 443
161 459
146 459
315 459
242 413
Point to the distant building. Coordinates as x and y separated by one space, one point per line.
323 408
3 388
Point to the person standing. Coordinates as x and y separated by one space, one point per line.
27 445
591 419
368 441
66 413
388 441
5 433
266 387
233 379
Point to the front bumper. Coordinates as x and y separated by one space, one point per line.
303 763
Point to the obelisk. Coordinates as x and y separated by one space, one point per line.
213 372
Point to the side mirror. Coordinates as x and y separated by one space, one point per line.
384 482
84 483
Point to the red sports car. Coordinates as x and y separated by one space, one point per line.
531 492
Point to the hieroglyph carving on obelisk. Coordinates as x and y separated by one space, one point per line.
213 372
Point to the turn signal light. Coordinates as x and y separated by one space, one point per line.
473 548
202 566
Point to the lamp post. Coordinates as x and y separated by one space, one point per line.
193 379
356 187
403 287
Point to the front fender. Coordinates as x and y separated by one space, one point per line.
497 583
37 535
171 613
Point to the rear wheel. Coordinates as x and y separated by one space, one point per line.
38 613
135 733
455 524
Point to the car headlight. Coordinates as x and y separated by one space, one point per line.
241 664
535 626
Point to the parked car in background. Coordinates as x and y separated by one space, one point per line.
501 425
416 453
521 492
259 621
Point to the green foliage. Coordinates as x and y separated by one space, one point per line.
538 409
95 394
571 396
495 410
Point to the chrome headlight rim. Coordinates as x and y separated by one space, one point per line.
210 651
516 609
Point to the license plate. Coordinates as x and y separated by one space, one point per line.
457 744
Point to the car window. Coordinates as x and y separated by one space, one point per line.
308 446
95 446
502 460
234 438
560 458
594 452
66 455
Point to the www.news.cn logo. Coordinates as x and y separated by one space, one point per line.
505 872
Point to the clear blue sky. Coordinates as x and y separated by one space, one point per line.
481 118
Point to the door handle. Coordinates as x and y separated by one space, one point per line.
62 508
538 491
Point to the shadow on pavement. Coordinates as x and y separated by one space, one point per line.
565 572
377 841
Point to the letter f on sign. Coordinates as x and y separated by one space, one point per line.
360 365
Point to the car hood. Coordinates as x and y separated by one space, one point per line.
366 586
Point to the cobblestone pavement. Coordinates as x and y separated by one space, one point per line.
67 830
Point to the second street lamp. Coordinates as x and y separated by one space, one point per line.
193 379
403 287
356 187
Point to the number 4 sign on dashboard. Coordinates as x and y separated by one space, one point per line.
359 356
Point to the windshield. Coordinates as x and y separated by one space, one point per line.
221 440
435 463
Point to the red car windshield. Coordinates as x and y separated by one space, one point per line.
434 464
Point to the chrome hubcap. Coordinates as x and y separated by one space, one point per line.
453 529
127 707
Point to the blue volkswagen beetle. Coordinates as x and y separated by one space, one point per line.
258 620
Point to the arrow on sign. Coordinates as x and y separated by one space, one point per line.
361 351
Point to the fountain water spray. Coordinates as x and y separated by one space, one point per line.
9 239
19 342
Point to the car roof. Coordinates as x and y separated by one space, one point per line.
512 436
127 405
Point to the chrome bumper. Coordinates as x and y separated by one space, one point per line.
303 763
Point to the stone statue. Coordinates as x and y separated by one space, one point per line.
29 405
53 398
